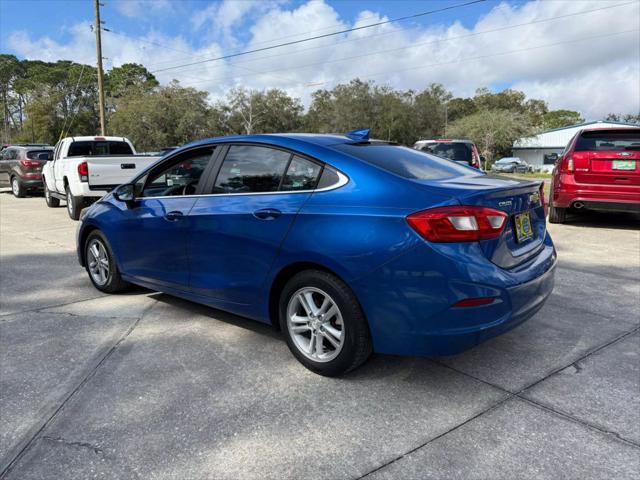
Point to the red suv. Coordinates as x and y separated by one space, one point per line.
598 170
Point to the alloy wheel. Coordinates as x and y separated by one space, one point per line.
315 324
70 203
98 262
15 187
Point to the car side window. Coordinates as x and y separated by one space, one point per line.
180 177
251 169
302 174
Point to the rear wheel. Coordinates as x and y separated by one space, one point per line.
74 205
557 215
323 323
52 202
17 188
101 265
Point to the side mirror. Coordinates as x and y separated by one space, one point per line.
125 193
46 156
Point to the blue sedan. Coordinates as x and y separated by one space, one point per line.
347 245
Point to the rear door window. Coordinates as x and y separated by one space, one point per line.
252 169
302 174
403 161
608 140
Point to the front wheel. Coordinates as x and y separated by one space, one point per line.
74 205
52 202
16 188
323 323
101 265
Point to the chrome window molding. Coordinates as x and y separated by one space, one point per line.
342 181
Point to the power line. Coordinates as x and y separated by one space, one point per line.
467 59
303 40
413 45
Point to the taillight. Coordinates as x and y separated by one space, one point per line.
543 201
83 171
29 163
458 223
567 165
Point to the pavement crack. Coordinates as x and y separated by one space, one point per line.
25 445
95 449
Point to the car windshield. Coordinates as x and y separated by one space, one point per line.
608 140
96 147
506 160
33 154
403 161
456 151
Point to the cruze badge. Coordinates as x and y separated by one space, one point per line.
505 204
534 197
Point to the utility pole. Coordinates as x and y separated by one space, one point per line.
98 28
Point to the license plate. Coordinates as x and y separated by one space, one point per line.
523 226
624 165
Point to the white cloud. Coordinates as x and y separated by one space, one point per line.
142 8
571 70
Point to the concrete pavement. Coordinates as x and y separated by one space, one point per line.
144 385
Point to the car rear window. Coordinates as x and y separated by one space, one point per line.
33 154
456 151
403 161
608 140
90 147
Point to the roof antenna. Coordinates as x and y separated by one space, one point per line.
361 135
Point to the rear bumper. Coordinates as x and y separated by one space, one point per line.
32 184
566 192
410 310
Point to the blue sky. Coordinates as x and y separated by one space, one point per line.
574 54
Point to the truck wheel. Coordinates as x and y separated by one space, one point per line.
52 202
74 205
557 215
16 188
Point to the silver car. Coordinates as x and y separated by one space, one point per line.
511 165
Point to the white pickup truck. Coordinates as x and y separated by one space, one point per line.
83 169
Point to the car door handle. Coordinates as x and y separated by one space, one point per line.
267 213
173 216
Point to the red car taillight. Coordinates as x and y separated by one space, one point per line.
29 163
567 165
83 171
458 223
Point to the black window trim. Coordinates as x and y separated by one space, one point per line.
210 174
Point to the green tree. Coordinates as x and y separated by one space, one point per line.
561 118
171 115
493 131
121 80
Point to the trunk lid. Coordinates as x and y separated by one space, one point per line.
520 199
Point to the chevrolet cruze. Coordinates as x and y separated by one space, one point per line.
347 245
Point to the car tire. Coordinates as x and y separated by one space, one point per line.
329 341
16 188
101 265
52 202
74 205
557 215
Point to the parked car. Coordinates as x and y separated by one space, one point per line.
461 151
598 170
85 168
21 168
347 245
511 165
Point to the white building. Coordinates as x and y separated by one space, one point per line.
542 150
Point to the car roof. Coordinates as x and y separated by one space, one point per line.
611 129
97 138
281 139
